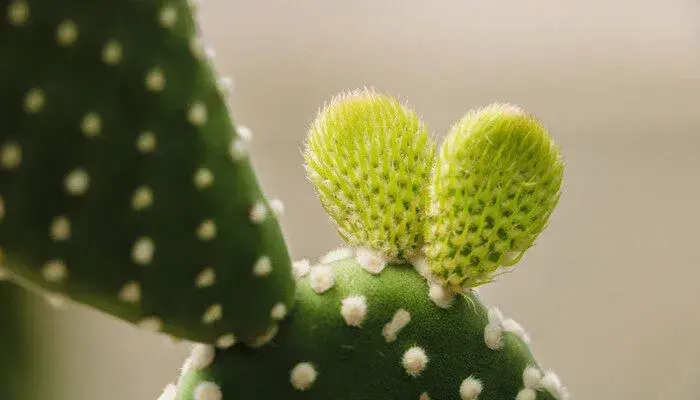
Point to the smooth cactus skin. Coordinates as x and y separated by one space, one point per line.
370 157
123 182
496 181
358 362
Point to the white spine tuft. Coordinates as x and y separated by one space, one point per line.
112 52
278 312
226 341
526 394
266 338
142 251
531 377
212 314
354 310
441 295
495 316
54 271
60 229
91 126
155 80
66 33
277 207
493 336
153 324
197 114
206 230
371 261
168 16
414 361
203 178
301 268
142 198
470 389
146 142
303 376
77 182
516 329
206 278
551 383
321 278
130 292
262 267
18 13
398 322
34 101
208 391
11 155
202 356
258 212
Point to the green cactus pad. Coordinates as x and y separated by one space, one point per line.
496 181
124 184
15 353
375 337
370 159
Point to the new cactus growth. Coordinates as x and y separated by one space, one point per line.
362 331
123 182
125 186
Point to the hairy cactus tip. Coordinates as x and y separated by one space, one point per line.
370 157
495 184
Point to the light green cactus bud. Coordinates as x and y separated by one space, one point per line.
496 181
370 159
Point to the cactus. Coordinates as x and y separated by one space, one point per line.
389 324
124 184
15 355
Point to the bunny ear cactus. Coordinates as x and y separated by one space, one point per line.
381 326
124 184
14 344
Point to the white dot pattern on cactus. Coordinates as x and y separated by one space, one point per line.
155 80
513 327
226 341
414 361
258 212
371 261
206 230
60 230
262 267
470 389
197 114
278 312
146 142
91 125
34 101
213 314
77 182
526 394
493 336
277 207
169 393
303 376
440 295
168 16
208 391
226 85
54 271
424 396
130 292
57 301
551 383
321 278
531 377
398 322
354 309
206 278
153 324
238 149
142 198
338 254
203 178
112 52
142 252
11 155
301 268
201 356
244 133
18 13
66 33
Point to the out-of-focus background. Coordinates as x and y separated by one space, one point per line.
609 294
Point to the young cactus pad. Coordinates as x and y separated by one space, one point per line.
496 181
375 337
370 159
123 182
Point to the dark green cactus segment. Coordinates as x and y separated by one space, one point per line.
123 182
365 338
14 344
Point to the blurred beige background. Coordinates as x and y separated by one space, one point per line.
610 293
